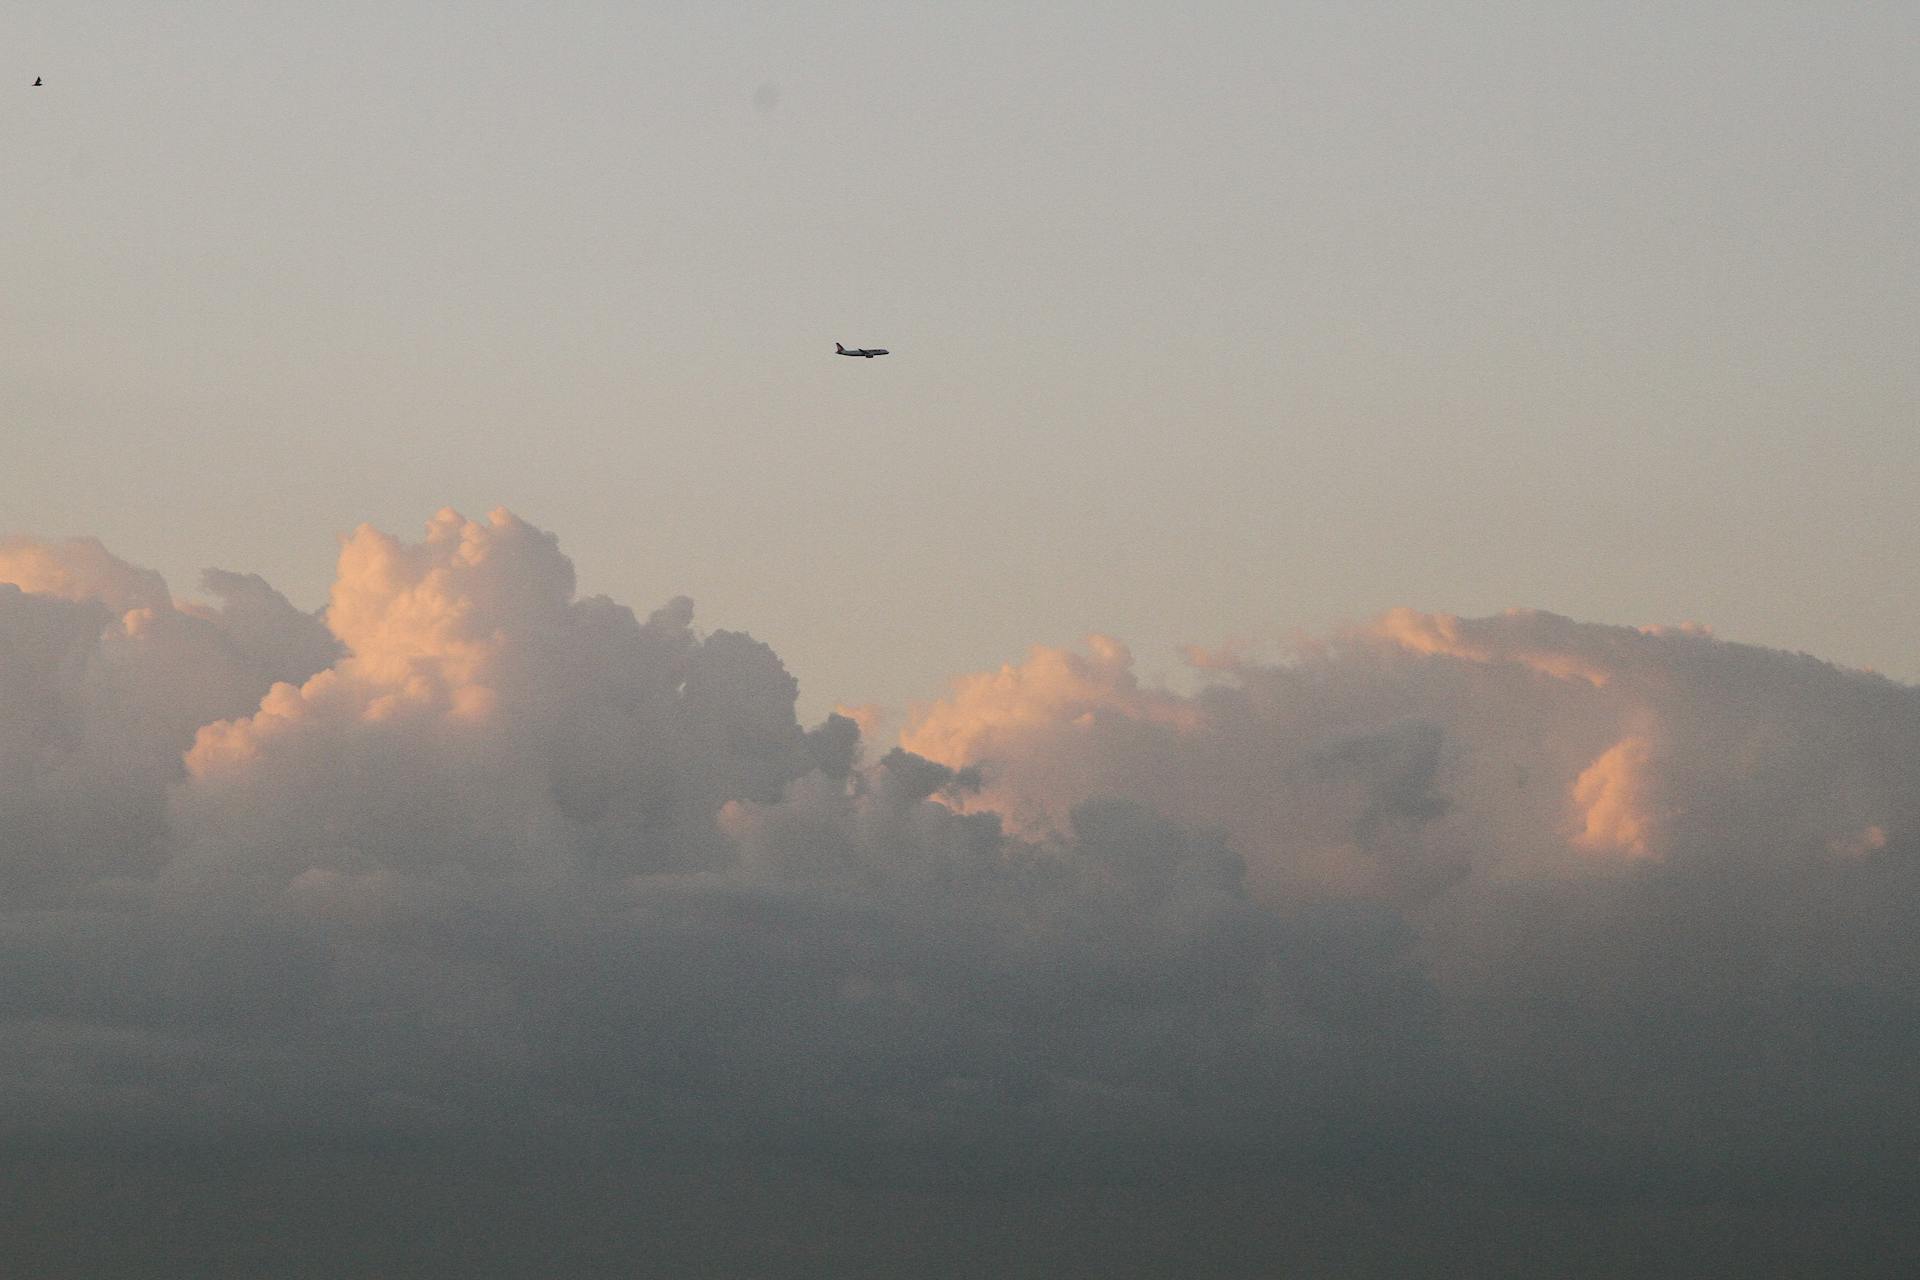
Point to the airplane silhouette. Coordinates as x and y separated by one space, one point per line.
36 82
868 352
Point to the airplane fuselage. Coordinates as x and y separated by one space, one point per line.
868 352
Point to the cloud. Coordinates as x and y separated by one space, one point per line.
1438 929
1641 867
80 569
1395 755
1616 812
105 681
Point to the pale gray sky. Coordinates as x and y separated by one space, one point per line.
1205 325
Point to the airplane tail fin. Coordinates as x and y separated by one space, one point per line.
837 347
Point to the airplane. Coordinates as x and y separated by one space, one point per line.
868 352
36 82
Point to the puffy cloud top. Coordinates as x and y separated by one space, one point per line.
80 569
1395 755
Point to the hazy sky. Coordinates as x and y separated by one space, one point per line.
484 926
1206 325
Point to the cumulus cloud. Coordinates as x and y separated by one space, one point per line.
1434 930
1398 754
80 569
1652 877
105 681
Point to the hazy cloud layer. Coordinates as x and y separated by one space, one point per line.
476 927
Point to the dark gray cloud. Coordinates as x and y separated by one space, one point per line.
492 930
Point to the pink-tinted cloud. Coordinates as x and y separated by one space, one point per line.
1613 795
1394 755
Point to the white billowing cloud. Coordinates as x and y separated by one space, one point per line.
1408 752
105 681
483 715
1657 883
1507 903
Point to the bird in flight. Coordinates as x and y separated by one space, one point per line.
868 352
36 82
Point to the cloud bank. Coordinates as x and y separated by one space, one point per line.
475 927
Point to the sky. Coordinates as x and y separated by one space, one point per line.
1368 606
1213 326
